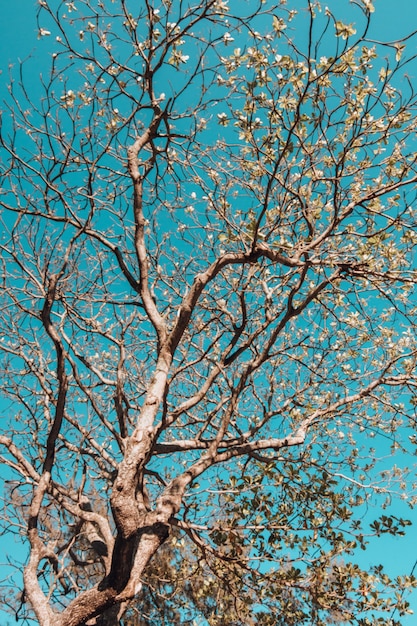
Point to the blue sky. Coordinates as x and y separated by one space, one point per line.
393 20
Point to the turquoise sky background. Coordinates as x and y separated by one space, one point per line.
392 20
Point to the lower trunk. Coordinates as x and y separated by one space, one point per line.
111 617
130 558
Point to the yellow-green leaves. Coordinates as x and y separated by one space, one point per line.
278 24
399 51
344 30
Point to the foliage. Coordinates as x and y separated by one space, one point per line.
208 268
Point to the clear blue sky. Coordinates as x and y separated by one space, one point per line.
18 40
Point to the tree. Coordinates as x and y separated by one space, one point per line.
208 268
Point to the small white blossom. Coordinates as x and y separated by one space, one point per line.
227 38
69 97
222 117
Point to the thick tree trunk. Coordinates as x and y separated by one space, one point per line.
111 617
130 558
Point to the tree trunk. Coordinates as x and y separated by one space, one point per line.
111 617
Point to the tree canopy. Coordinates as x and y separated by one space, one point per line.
208 311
